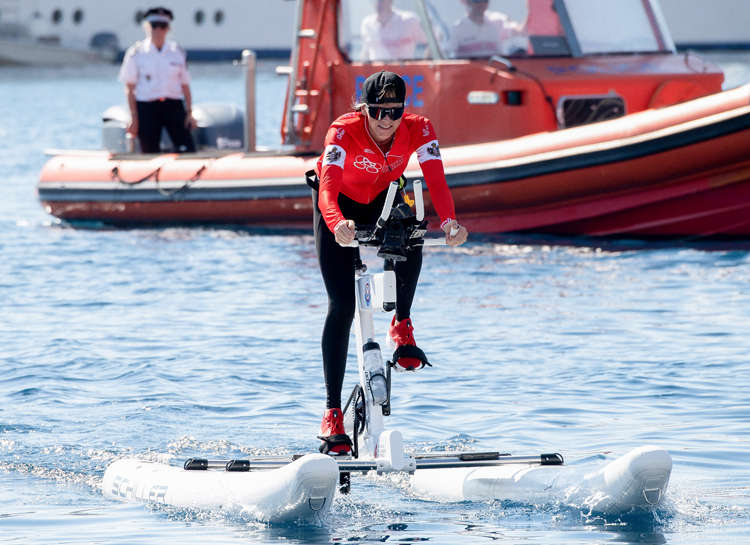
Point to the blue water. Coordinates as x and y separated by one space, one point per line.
172 343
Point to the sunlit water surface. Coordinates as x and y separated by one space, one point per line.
172 343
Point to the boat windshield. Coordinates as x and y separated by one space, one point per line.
614 26
399 30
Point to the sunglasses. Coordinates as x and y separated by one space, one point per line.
376 112
160 25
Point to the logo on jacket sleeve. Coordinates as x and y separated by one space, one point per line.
334 155
430 151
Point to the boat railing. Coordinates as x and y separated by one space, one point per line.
248 61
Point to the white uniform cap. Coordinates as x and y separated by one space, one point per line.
158 19
159 15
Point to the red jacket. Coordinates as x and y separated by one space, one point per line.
354 165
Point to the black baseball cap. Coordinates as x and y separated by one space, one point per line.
372 88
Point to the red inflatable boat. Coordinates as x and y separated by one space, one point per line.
590 123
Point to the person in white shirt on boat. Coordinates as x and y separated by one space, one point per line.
157 81
483 33
390 33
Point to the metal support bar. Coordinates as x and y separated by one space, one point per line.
427 29
248 60
420 461
445 463
570 35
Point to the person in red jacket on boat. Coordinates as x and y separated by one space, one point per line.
365 151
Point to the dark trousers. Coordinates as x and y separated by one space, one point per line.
337 267
170 114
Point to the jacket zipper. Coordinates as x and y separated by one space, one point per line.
385 157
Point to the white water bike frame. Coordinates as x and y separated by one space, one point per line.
376 293
377 448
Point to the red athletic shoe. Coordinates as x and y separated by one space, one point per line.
401 335
335 440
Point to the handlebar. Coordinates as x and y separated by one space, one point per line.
439 241
425 241
397 229
388 205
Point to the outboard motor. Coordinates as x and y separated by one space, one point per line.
220 126
115 121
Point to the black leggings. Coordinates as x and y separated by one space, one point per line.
337 267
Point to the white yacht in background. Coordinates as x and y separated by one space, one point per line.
708 24
56 32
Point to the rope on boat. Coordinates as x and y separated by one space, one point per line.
155 175
186 185
116 176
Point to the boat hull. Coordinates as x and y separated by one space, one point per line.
301 490
637 480
657 188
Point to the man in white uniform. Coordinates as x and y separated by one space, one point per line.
154 72
481 33
390 34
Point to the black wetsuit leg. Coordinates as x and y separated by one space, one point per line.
407 276
337 268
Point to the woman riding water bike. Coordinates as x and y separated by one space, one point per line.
365 151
